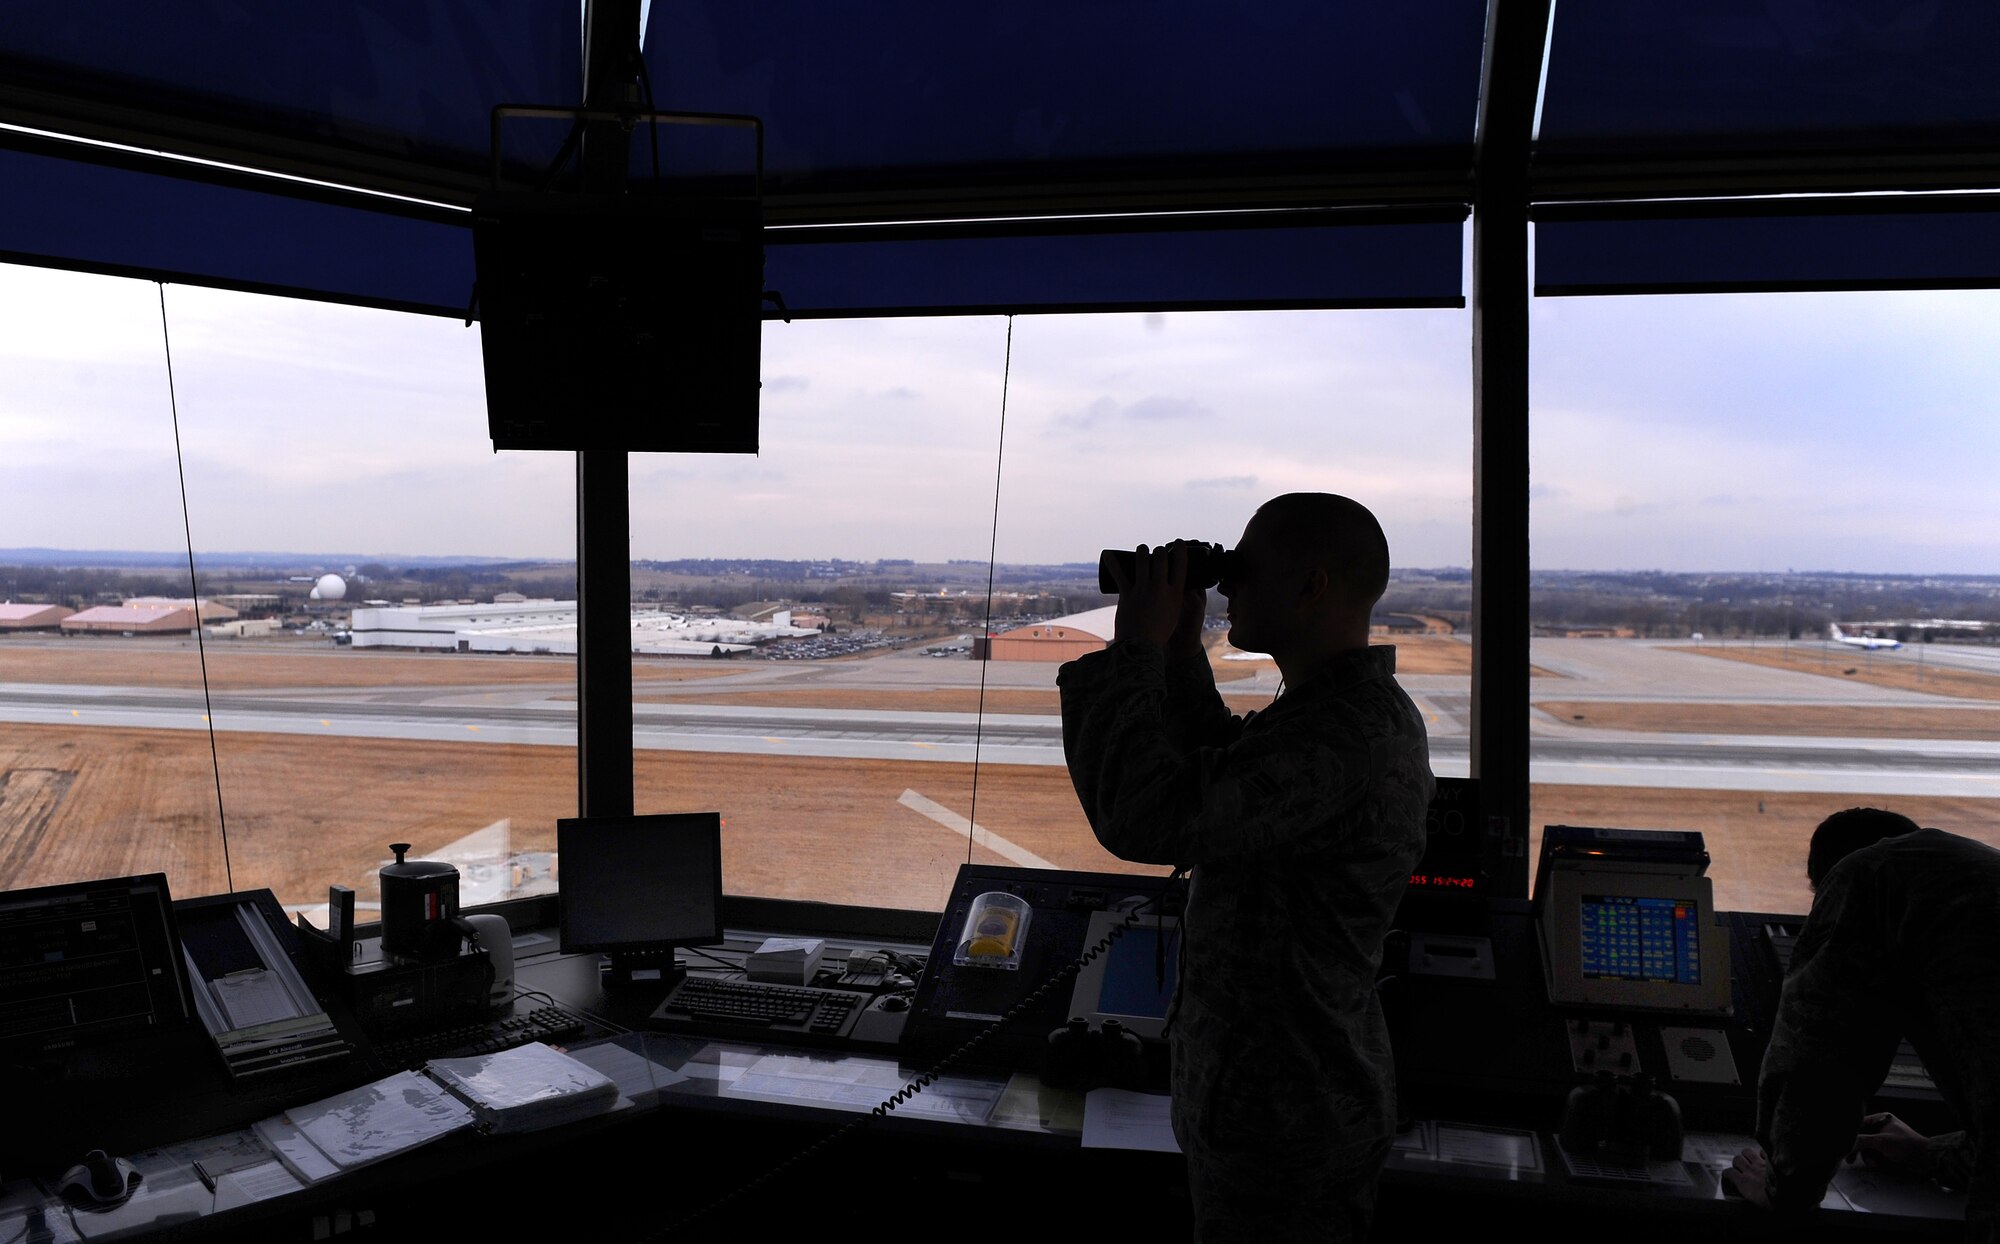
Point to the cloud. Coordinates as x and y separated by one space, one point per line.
1684 432
1144 410
1160 409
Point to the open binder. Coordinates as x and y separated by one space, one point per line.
516 1090
527 1087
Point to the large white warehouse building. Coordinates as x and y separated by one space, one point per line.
550 626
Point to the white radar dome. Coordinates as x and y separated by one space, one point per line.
329 587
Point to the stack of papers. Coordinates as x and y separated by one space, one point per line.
529 1086
515 1090
787 960
364 1125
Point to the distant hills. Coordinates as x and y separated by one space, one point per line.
133 559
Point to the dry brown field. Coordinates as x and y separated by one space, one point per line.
104 801
1855 665
816 827
1802 720
1811 720
243 665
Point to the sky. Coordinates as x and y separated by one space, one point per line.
1851 432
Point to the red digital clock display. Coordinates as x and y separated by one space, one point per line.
1444 881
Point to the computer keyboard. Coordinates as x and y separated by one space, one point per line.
410 1051
719 1006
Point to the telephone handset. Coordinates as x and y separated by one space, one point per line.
1022 952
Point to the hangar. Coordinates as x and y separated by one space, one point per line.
31 617
144 616
133 619
1061 639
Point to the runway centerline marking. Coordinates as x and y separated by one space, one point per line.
966 829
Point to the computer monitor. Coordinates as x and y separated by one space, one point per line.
1619 850
1634 940
1132 980
89 963
636 887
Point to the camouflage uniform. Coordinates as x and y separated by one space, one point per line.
1300 824
1903 942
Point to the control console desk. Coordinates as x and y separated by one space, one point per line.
723 1133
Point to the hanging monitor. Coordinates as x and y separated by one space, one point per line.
620 323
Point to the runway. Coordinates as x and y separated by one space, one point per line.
1560 753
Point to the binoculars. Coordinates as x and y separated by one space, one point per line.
1207 565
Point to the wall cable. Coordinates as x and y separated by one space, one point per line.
992 551
194 592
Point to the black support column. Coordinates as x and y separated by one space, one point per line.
1515 35
603 496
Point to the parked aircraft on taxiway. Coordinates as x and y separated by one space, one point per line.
1860 641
